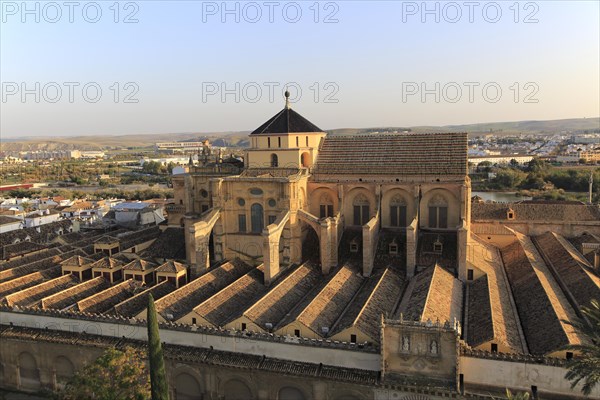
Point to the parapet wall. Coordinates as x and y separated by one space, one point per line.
327 352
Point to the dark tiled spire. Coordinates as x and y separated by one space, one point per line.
286 121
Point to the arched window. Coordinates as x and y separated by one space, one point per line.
325 206
257 218
361 210
64 368
290 393
187 387
28 371
398 211
438 212
274 160
235 389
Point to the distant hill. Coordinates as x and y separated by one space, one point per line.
575 125
240 139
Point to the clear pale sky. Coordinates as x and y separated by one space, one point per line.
370 58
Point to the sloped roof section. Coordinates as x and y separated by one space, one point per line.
491 315
541 304
433 294
534 211
571 267
415 154
286 121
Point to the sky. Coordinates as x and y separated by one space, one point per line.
108 67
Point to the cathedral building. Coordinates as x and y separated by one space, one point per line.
324 266
303 191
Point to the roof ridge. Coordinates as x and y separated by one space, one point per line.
274 288
362 309
435 267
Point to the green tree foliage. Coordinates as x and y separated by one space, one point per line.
158 378
585 367
154 167
573 180
170 167
537 166
508 178
533 181
484 166
115 375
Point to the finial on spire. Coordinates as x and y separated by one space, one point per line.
287 99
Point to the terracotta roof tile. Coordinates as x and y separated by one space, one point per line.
184 299
534 212
572 268
491 313
230 302
132 306
279 301
31 297
27 281
433 294
327 306
105 300
72 295
414 154
171 266
541 304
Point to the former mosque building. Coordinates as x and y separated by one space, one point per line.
324 267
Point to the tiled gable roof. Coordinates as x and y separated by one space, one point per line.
104 301
491 302
184 299
535 212
436 154
32 296
75 294
572 268
480 326
169 245
434 295
231 301
378 296
27 281
136 304
328 305
276 304
21 248
541 304
580 241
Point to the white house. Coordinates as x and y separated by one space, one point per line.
8 224
41 217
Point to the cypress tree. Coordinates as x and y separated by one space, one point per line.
158 378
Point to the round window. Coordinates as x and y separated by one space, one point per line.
203 193
272 203
256 191
241 202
